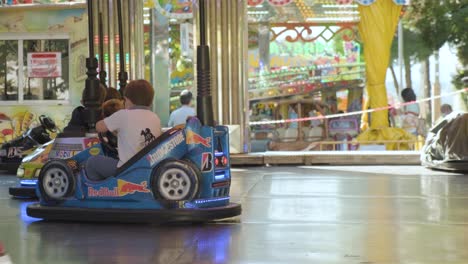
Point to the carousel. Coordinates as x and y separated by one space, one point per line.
303 72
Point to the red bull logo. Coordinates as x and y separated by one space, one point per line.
126 187
123 188
194 138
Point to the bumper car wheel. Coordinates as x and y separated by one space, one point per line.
175 180
56 180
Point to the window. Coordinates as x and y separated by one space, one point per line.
35 69
45 85
9 70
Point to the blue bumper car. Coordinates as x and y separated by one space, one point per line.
182 176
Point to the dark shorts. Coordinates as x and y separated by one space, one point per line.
101 167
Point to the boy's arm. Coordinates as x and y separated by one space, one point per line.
101 127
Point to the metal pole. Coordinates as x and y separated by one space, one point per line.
102 70
436 91
204 99
90 28
202 11
111 16
91 91
123 75
401 55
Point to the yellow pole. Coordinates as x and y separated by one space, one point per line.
377 27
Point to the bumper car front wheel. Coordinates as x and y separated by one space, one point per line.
175 180
56 180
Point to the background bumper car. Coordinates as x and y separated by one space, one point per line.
446 146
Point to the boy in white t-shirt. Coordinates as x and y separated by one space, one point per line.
136 126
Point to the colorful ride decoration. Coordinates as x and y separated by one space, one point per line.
370 2
177 9
254 2
340 2
344 2
272 2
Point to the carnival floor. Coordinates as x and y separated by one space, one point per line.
315 214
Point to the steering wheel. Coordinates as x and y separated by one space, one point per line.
109 144
47 123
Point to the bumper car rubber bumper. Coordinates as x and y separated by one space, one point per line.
153 216
23 192
10 167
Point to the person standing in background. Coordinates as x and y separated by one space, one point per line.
292 114
445 110
410 117
180 115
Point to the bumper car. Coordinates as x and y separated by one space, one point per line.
446 145
65 145
182 176
12 152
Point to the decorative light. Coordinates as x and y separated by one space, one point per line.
28 182
203 201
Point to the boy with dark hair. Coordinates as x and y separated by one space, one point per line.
180 115
135 126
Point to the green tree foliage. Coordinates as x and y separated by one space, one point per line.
415 50
440 22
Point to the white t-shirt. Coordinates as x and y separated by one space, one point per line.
135 129
179 116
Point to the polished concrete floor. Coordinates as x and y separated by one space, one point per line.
346 214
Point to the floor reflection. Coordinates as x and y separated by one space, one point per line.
308 214
92 243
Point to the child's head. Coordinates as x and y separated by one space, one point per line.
102 94
138 92
111 106
408 95
112 93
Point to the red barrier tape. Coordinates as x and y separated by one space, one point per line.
398 105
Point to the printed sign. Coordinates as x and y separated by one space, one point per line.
207 161
186 39
194 138
123 188
44 64
165 148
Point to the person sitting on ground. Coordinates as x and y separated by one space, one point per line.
77 122
135 126
180 115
